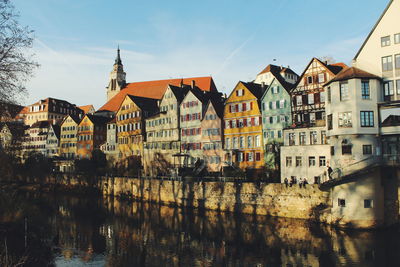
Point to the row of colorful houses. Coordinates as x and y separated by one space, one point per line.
280 120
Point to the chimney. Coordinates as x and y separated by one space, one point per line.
181 84
193 84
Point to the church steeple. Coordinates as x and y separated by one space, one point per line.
118 58
117 77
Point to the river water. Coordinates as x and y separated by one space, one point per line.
65 230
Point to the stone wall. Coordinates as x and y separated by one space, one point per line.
250 198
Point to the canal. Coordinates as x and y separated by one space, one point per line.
67 230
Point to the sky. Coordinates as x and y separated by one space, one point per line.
231 40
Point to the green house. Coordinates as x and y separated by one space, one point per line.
276 115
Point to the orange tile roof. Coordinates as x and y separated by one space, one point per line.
86 108
155 89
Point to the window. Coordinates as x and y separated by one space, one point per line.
235 142
298 162
302 138
387 64
239 92
241 142
397 61
299 100
385 41
309 79
322 161
258 141
310 99
367 149
397 38
321 77
388 89
332 150
330 124
313 138
251 156
341 202
367 118
288 161
292 137
345 120
365 90
398 86
323 138
367 203
258 156
240 157
249 141
311 161
344 91
329 94
346 149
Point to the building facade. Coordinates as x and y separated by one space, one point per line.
243 126
110 147
68 137
212 136
53 141
92 132
50 109
130 121
308 97
163 143
35 138
276 115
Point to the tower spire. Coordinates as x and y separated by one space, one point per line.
118 58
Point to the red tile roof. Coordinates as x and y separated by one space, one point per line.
86 108
155 89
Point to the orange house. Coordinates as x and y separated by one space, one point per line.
92 132
243 128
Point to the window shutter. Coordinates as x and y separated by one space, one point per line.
230 124
251 105
252 121
230 109
260 120
245 122
244 106
247 156
237 107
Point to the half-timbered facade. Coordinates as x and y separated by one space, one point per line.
308 96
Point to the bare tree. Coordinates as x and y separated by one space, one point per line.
16 63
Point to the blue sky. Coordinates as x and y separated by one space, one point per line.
232 40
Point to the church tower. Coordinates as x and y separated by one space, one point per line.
117 78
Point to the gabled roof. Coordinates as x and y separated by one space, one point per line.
352 73
86 108
56 130
41 124
16 128
276 72
155 89
255 88
145 104
179 92
218 106
97 120
332 68
373 29
76 119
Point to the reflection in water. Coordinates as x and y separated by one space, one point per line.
106 232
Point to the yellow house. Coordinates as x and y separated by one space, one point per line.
68 137
243 128
130 120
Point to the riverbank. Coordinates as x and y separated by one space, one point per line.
277 200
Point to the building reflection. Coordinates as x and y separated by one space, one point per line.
137 234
